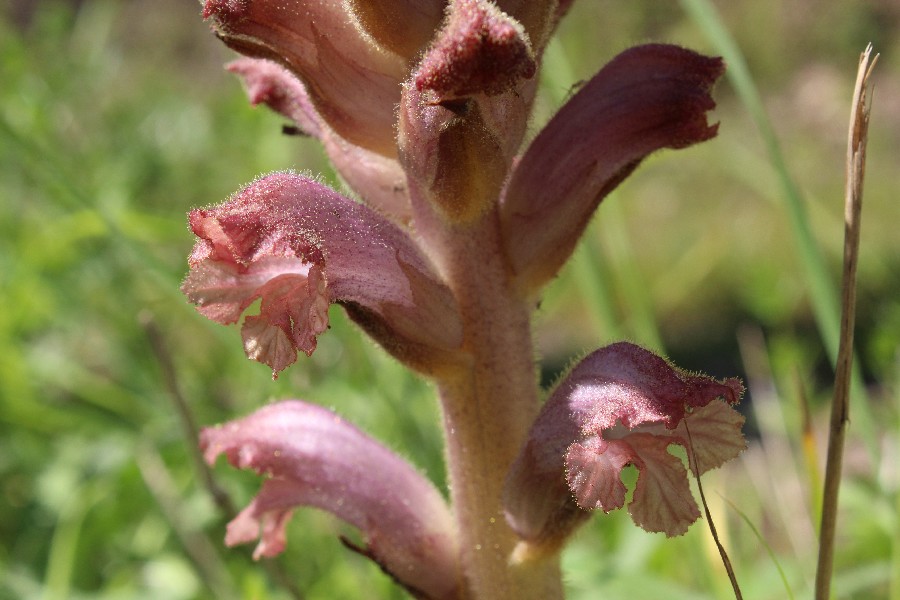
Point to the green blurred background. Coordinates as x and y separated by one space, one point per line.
116 118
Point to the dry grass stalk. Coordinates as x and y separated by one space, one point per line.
840 408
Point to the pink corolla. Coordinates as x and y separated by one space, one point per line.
621 405
300 246
446 230
312 457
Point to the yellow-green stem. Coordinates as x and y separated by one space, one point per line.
489 403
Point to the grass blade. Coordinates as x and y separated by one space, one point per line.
762 540
823 295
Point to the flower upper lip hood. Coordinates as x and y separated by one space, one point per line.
353 80
647 98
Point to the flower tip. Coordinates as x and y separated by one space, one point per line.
481 50
224 9
261 86
210 450
737 390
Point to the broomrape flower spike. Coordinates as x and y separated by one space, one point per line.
444 234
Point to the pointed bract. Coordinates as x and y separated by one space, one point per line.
299 245
480 50
538 17
621 405
313 458
647 98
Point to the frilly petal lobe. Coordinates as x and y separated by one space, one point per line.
297 245
294 307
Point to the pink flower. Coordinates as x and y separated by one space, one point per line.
621 405
647 98
300 246
311 457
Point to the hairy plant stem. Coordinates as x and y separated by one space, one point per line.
489 402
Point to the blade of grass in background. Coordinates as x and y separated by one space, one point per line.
64 545
589 274
894 593
764 544
823 294
640 320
